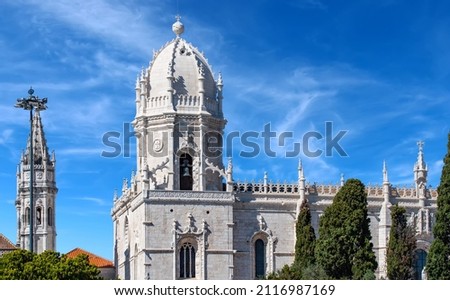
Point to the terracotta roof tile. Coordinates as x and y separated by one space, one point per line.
6 244
95 260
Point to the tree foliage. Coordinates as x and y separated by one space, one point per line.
438 262
305 239
25 265
304 251
344 248
401 246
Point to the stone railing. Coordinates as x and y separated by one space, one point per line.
188 100
155 102
324 189
261 188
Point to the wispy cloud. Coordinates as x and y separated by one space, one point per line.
112 21
94 200
5 135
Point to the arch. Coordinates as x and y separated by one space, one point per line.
188 258
38 215
260 258
259 239
187 253
135 262
50 216
27 215
126 232
420 261
185 171
126 252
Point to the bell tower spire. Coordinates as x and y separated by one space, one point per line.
44 192
420 173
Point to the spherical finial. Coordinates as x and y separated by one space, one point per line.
31 91
178 27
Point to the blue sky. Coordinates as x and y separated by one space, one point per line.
378 69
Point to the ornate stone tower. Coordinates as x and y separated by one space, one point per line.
44 193
420 175
179 120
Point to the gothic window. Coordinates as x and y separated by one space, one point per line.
260 259
420 260
50 216
187 261
38 215
127 266
27 215
135 262
185 172
125 232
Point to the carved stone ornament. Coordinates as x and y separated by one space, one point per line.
158 145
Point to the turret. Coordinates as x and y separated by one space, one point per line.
220 94
386 184
384 225
44 193
420 175
301 187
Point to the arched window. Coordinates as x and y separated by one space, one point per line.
260 258
420 260
50 216
187 261
125 232
38 215
126 251
135 262
27 215
186 179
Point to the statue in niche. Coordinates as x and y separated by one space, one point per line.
422 190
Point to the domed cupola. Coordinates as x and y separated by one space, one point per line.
180 79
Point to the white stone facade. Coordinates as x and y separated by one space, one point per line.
182 216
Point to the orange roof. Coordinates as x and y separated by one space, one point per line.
6 244
95 260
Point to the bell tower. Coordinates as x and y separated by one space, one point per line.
44 193
179 120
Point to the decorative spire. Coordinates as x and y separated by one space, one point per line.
220 80
385 173
178 27
115 196
230 165
420 164
40 150
342 179
301 175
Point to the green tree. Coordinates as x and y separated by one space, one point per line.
305 239
344 248
288 272
304 249
401 246
16 265
438 262
24 265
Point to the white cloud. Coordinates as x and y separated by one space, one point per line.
113 21
5 136
95 200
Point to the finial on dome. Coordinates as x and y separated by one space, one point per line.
178 27
220 79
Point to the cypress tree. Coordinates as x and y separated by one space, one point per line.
344 248
304 249
438 263
401 246
306 239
